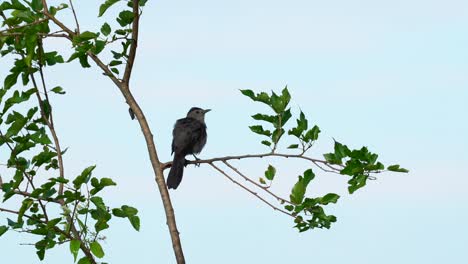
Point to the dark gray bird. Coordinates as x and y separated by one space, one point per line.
189 137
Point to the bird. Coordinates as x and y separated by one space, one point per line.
189 138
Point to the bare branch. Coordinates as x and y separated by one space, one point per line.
255 183
74 15
317 162
134 45
250 191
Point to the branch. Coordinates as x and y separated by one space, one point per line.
51 119
250 191
134 45
317 162
255 183
22 26
124 88
85 250
74 15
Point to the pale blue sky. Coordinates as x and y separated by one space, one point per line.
391 75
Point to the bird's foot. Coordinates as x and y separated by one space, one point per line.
197 164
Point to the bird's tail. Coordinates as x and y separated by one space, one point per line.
176 172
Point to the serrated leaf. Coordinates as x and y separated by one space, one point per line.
312 134
357 182
259 130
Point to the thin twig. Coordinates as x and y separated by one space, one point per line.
247 189
134 45
74 15
255 183
51 119
23 26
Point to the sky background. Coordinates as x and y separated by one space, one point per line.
390 75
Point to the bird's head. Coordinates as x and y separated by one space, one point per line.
198 113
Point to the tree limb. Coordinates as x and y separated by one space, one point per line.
250 191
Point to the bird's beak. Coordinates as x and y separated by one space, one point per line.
206 111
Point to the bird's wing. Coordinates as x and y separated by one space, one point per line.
182 135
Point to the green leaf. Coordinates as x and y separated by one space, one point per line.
135 221
277 134
266 143
285 96
74 248
357 182
84 177
99 46
115 63
261 180
58 90
299 189
270 172
312 134
3 230
261 97
103 8
331 157
248 93
16 126
99 185
277 103
301 126
341 151
329 198
289 207
293 146
397 168
96 249
84 61
106 29
129 211
98 202
259 130
84 260
119 212
87 35
125 18
285 116
115 70
267 118
10 80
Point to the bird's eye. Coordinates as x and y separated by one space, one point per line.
198 111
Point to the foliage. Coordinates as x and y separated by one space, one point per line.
357 164
34 173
